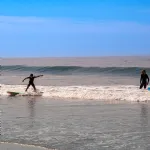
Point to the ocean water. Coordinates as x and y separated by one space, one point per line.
100 78
87 103
75 125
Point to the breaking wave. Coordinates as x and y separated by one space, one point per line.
68 70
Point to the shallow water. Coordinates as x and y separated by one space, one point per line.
16 146
99 93
75 125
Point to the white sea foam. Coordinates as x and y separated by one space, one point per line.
121 93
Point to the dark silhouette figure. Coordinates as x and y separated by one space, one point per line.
31 81
144 80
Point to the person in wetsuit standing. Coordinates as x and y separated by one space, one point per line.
144 80
31 81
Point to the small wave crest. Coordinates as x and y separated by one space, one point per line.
68 70
103 93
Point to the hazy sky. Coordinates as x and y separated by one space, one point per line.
74 27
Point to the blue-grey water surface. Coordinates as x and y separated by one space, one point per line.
75 124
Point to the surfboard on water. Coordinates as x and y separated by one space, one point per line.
24 94
12 93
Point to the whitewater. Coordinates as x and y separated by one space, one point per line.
101 93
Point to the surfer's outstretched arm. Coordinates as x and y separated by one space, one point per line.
25 79
38 76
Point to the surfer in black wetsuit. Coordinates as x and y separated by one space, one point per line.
144 80
31 81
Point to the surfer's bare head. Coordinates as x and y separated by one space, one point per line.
31 75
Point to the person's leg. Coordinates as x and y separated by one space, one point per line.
141 86
145 85
27 87
34 87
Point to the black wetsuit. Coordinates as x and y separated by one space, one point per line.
31 82
144 80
